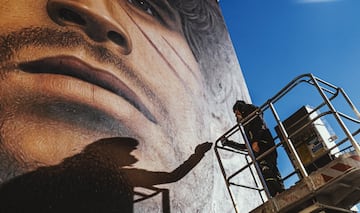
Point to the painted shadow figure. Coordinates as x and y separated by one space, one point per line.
99 179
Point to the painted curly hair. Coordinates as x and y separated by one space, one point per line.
201 23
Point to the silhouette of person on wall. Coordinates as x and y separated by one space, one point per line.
98 179
261 140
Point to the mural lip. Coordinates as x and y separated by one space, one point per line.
73 67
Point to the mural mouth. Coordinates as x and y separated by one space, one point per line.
73 67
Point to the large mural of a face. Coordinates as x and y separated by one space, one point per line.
159 73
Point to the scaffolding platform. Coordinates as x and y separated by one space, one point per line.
335 187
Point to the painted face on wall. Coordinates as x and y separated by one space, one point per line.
72 72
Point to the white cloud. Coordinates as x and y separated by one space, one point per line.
315 1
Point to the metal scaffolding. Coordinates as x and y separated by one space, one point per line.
340 158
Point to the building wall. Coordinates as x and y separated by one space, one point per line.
105 101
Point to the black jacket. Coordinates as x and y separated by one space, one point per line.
256 131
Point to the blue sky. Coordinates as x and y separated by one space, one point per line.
276 41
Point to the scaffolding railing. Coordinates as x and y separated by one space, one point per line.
328 93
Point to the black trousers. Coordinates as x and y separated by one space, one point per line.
272 176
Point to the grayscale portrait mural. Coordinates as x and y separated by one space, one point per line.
108 106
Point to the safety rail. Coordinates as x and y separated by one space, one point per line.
328 93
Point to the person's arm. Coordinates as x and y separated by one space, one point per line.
235 145
140 177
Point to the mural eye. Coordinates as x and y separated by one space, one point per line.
158 10
145 6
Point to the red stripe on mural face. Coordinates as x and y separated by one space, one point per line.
341 167
326 177
356 157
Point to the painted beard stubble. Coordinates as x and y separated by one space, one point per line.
45 37
53 109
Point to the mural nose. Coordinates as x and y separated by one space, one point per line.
91 16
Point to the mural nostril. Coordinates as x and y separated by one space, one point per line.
117 38
71 16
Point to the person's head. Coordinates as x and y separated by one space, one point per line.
72 72
76 71
115 150
239 110
242 109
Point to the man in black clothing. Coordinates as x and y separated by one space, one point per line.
261 140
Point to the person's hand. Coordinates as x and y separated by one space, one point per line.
202 148
224 141
255 146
